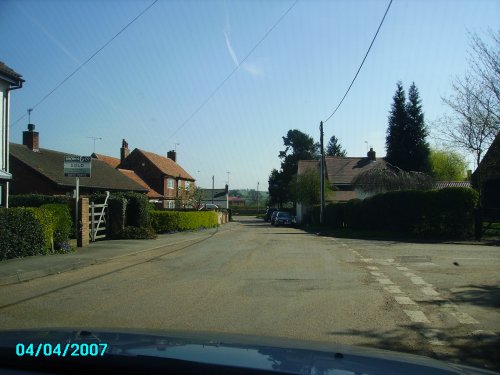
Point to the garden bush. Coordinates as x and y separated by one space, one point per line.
62 223
47 222
21 234
117 208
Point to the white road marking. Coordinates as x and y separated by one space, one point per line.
418 280
429 291
393 289
402 268
404 300
385 281
373 268
464 318
416 316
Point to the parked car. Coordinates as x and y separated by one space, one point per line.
284 218
273 216
269 213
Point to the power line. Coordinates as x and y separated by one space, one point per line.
198 109
362 62
89 59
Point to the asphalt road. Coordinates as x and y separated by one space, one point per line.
440 300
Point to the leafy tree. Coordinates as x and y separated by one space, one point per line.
447 165
334 148
278 190
306 187
475 103
406 143
298 146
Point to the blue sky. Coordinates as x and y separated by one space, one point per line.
146 83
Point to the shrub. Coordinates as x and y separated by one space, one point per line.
21 234
170 221
62 223
117 208
136 211
46 220
138 233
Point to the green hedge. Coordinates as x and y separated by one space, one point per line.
136 211
47 222
21 234
445 213
117 208
36 200
62 223
171 221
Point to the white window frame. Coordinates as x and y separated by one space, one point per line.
187 185
170 183
171 204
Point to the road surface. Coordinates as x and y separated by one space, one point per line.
248 277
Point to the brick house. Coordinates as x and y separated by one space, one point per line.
39 170
167 182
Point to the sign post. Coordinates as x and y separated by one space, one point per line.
77 166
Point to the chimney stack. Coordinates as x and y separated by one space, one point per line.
172 155
371 155
124 151
31 138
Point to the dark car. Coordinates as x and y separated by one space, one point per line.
269 213
284 218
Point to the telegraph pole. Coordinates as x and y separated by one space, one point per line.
322 178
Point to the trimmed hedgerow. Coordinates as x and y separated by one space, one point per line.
21 234
46 220
36 200
171 221
117 209
445 213
62 223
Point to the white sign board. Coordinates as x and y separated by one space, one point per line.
77 166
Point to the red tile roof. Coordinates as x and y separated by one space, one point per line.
167 166
135 177
114 162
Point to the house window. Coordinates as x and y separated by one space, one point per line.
171 204
179 184
187 185
170 183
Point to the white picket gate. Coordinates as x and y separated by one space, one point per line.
98 219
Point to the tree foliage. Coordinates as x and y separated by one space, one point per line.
447 165
475 103
334 148
406 144
306 187
298 146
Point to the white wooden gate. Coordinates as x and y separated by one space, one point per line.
97 219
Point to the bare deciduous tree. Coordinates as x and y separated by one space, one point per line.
475 104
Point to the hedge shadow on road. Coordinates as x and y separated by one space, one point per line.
479 295
466 349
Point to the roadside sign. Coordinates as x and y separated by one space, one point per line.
77 166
